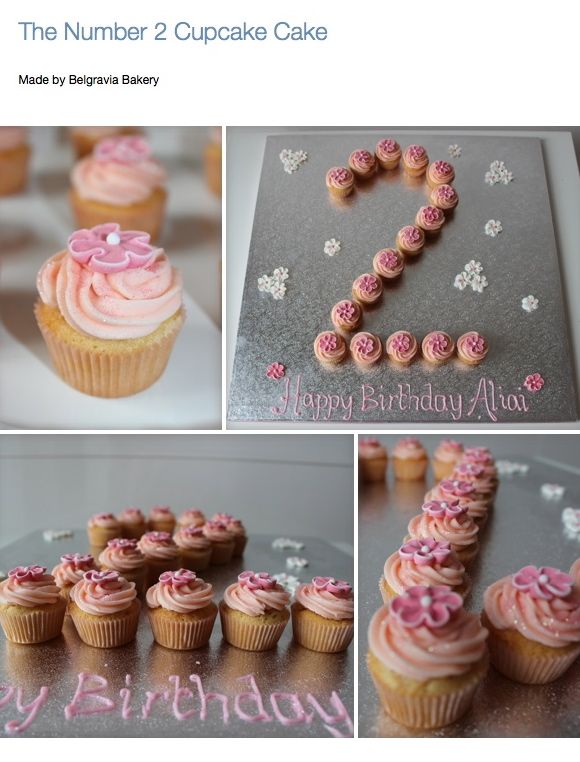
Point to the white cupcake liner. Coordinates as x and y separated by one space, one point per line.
324 636
526 668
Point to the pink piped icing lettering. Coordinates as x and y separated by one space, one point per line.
206 697
254 697
331 720
89 700
107 249
31 711
180 693
299 714
126 694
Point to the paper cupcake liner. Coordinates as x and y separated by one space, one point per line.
109 374
107 631
441 469
324 636
409 469
374 470
250 636
34 625
221 553
527 668
195 560
181 634
13 170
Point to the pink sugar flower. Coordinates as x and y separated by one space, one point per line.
328 342
102 578
469 470
423 605
444 508
388 259
416 152
367 284
127 149
122 543
456 487
276 371
256 580
543 582
432 214
27 573
363 156
364 345
160 537
401 342
78 560
425 552
475 344
338 587
340 174
108 249
534 382
388 145
411 234
345 310
438 342
444 167
178 578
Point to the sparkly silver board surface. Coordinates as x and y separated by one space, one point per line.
288 669
294 217
524 528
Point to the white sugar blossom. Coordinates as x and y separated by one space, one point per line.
498 173
286 543
454 150
509 468
493 228
264 283
295 562
472 276
291 160
280 274
571 521
52 535
331 247
274 284
460 281
289 582
530 303
552 491
478 283
473 267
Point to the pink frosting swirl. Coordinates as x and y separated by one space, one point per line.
103 593
122 555
12 137
329 347
120 172
428 652
191 538
71 568
234 524
430 218
104 520
192 516
29 586
388 150
452 525
409 447
328 600
472 345
161 513
361 161
388 263
541 604
346 314
444 196
453 489
440 173
448 451
366 348
114 305
367 288
369 447
339 177
415 156
475 474
411 238
437 346
131 516
401 346
217 531
158 546
181 591
424 561
255 594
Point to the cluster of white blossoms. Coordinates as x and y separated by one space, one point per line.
493 228
509 468
552 491
472 276
331 247
291 160
285 543
498 173
274 284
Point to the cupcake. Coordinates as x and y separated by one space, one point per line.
372 460
346 316
475 474
212 161
444 197
483 457
181 610
437 347
191 517
457 489
222 540
410 240
254 612
104 609
366 349
427 656
330 348
401 347
472 348
194 548
340 182
123 555
85 139
430 219
31 606
161 554
423 561
367 289
388 153
440 173
388 263
323 615
161 519
236 527
14 155
410 459
133 523
121 182
70 570
110 309
533 618
447 521
415 160
362 163
447 454
101 528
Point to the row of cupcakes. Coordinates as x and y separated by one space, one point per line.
401 347
105 610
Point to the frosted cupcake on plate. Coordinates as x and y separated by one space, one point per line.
437 347
410 459
453 490
449 522
372 460
427 657
534 621
346 316
367 289
388 153
340 182
223 542
161 519
110 309
323 615
366 349
123 555
430 219
475 474
31 607
362 163
401 348
70 570
119 181
483 457
14 156
330 348
133 523
161 554
389 264
415 160
423 561
181 610
446 456
101 528
194 548
445 197
254 612
472 348
237 528
440 173
191 517
104 609
411 240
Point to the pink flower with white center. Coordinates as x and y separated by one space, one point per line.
456 487
127 149
478 454
469 470
388 145
432 214
534 382
178 578
328 342
543 582
157 537
108 249
416 152
438 342
276 371
27 573
446 192
363 157
425 552
256 580
389 259
401 342
475 343
121 543
345 310
367 284
422 605
339 174
411 234
338 587
364 345
440 509
443 167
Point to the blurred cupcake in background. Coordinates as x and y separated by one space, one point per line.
161 554
323 615
212 161
410 459
84 139
446 456
236 527
133 523
70 570
194 548
222 540
124 556
101 528
14 156
161 519
372 460
191 517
